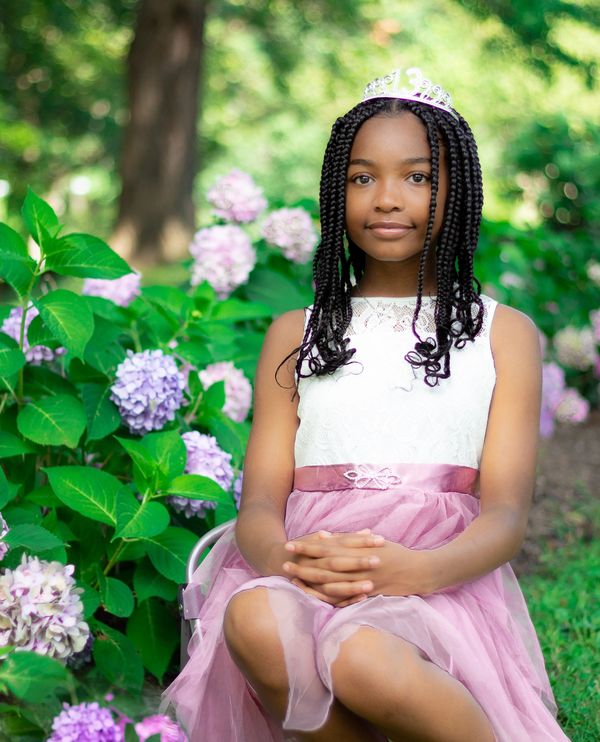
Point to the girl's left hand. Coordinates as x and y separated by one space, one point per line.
400 570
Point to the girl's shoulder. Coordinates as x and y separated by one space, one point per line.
513 334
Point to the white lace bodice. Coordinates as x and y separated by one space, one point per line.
378 409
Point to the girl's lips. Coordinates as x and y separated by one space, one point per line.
390 232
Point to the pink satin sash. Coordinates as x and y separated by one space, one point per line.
433 477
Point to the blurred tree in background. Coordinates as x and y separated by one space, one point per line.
92 90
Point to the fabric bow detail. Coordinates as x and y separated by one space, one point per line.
372 478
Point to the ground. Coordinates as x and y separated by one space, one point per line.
566 503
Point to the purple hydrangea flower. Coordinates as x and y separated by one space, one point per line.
35 354
237 489
205 457
236 197
41 610
223 256
158 724
576 348
572 408
238 390
291 230
595 320
553 387
121 291
3 532
86 722
148 390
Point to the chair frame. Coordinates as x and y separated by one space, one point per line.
189 626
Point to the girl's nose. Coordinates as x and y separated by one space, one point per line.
389 196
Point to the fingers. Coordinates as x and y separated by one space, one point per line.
311 591
330 546
316 575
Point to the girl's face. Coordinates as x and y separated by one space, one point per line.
389 181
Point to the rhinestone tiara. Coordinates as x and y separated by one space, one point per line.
410 84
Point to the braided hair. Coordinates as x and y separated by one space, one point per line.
457 287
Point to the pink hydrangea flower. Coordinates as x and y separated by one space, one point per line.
121 291
236 197
553 387
238 390
595 320
223 256
572 408
207 458
41 609
576 348
291 230
593 272
158 724
3 532
35 354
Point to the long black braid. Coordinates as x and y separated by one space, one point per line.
457 287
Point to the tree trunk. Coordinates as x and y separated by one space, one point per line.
158 158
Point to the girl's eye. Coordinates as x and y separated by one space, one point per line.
356 178
420 178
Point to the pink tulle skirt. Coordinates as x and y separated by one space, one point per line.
479 632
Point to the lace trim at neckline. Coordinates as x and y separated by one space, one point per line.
391 298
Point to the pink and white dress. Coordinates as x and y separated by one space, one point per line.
377 448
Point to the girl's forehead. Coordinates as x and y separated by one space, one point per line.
385 136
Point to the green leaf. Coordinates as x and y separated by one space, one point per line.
214 397
12 445
8 490
16 266
40 219
150 628
85 256
231 435
102 415
103 351
90 599
12 360
136 520
89 491
277 291
35 538
32 677
235 310
117 659
116 596
197 487
167 452
140 456
56 421
148 583
170 550
68 317
42 382
39 334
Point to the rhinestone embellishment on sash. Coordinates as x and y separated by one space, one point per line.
372 478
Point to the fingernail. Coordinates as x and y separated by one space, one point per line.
378 539
374 560
286 566
290 547
367 586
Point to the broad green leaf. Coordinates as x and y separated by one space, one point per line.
171 298
90 599
214 396
16 266
277 291
170 550
12 360
45 497
40 219
42 382
89 491
35 538
102 415
117 659
7 492
167 451
68 317
104 352
12 445
196 352
150 628
148 583
32 677
234 310
197 487
53 421
85 256
116 596
140 455
39 334
231 435
137 520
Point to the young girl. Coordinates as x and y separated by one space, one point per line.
365 591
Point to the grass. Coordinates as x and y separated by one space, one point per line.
565 609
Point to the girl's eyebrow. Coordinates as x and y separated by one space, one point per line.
407 161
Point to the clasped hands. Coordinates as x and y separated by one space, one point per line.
346 568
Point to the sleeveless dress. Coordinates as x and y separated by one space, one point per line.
376 448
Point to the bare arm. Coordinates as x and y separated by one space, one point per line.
508 464
269 462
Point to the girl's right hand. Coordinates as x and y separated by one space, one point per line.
352 540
